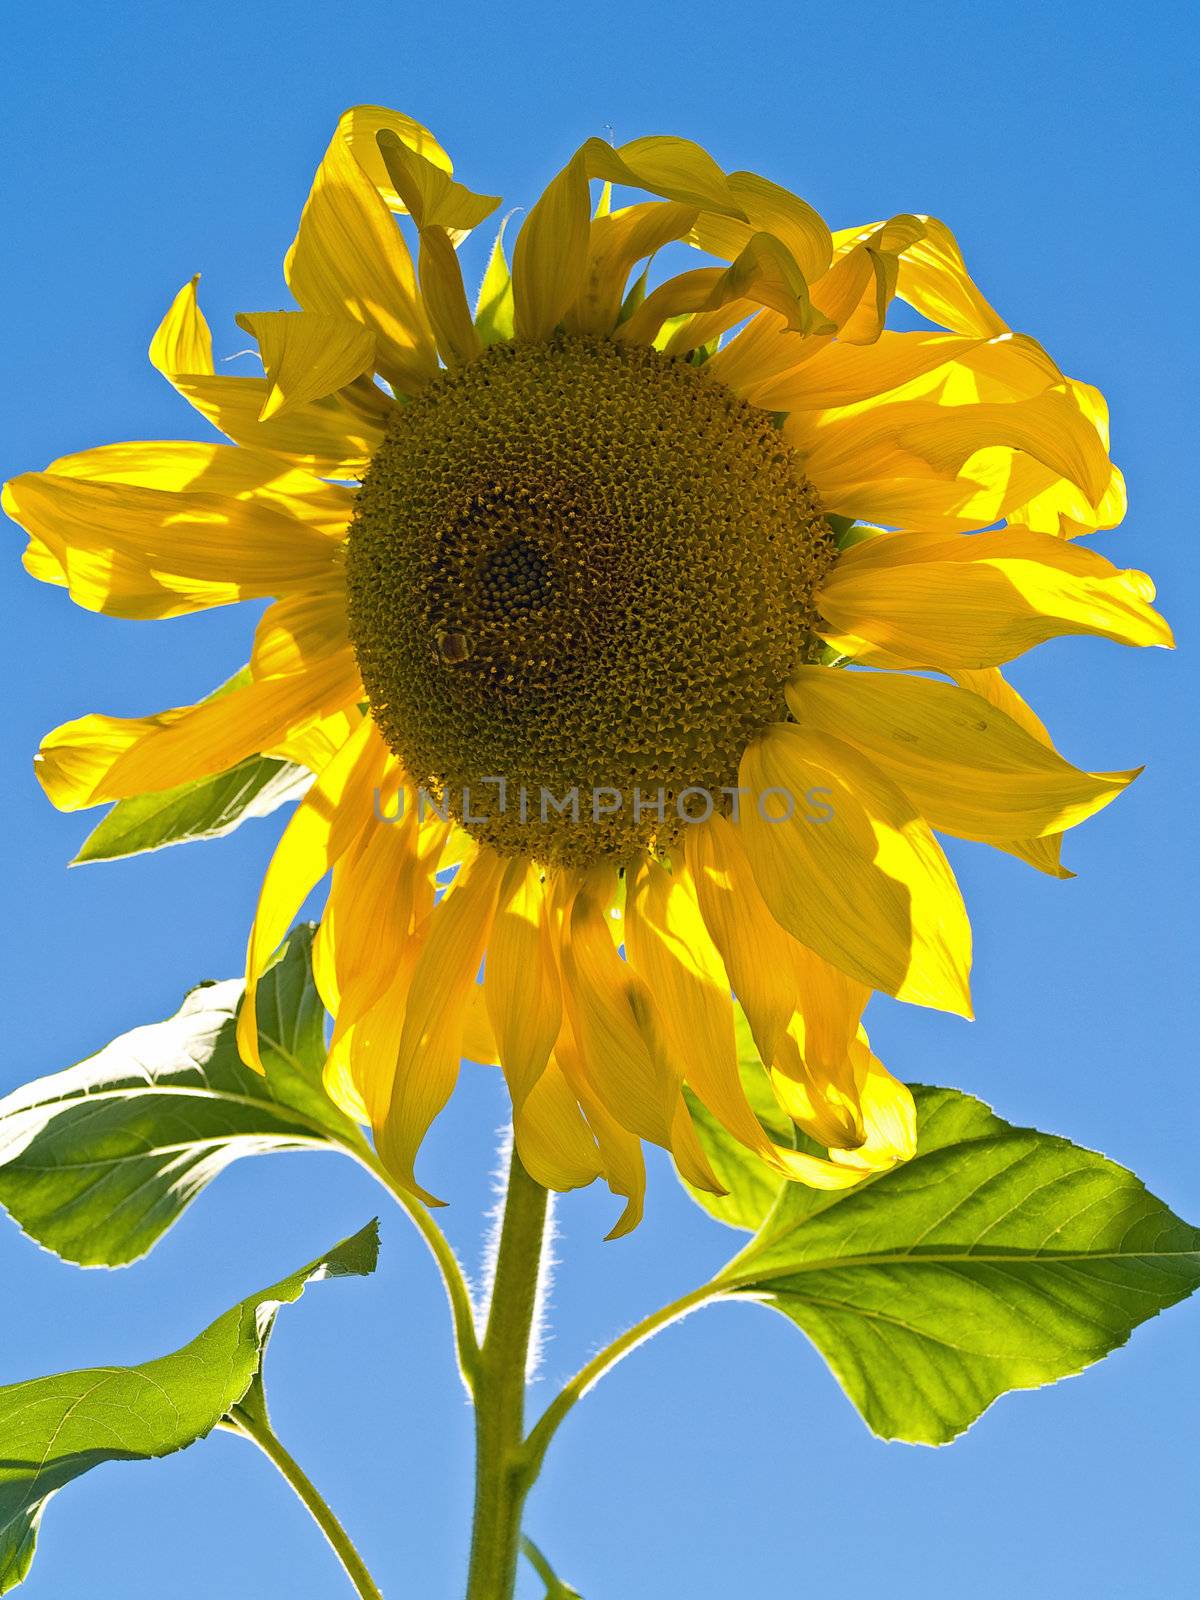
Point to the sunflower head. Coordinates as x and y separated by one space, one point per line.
579 543
581 568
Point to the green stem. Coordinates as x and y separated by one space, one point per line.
251 1423
466 1343
502 1476
551 1419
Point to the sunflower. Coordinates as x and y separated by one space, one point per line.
638 639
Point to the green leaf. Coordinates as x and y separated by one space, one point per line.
97 1162
207 808
998 1258
494 310
54 1429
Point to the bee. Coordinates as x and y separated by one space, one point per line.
454 648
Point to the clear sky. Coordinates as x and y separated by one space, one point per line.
145 141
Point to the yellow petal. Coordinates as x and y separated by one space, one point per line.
680 335
306 355
1058 507
550 256
674 168
218 469
846 374
431 1041
314 744
857 290
763 354
1044 854
521 983
766 272
336 436
182 341
803 1013
702 289
479 1037
916 439
670 948
754 948
382 892
349 260
620 1035
980 600
687 1152
361 127
364 967
554 1142
935 281
615 243
342 1090
295 633
854 873
763 274
886 1128
775 978
611 1011
1009 366
324 825
428 192
767 208
889 1120
969 769
620 1151
818 1103
130 551
446 299
777 229
97 758
1046 427
362 1051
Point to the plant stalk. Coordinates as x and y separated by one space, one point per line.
588 1376
457 1293
502 1475
250 1420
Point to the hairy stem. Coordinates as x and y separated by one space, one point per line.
251 1422
465 1342
552 1418
502 1477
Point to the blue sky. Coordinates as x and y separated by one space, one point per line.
148 141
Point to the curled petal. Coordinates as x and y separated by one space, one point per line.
849 867
307 356
349 260
325 824
521 983
979 600
430 1047
966 766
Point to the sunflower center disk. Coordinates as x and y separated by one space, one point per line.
580 574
